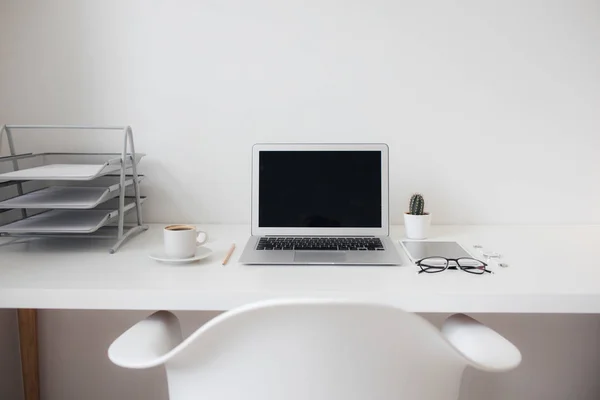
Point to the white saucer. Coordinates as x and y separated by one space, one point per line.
201 253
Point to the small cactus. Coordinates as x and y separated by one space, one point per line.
416 205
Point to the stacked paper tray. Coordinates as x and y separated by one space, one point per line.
70 194
65 221
65 197
69 172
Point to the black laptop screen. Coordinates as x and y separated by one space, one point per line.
319 189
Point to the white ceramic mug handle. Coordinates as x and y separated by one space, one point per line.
203 235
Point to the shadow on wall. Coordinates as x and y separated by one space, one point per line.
10 365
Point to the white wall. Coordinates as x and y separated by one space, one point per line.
490 109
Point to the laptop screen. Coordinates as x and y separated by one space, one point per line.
320 189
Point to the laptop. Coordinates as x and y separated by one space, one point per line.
320 204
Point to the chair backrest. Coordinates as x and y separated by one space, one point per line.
315 350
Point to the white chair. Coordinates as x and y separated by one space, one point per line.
314 350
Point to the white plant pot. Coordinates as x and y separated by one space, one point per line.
417 226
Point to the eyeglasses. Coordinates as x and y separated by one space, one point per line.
432 265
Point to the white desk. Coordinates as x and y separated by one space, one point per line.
552 270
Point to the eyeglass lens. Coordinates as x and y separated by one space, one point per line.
433 264
471 265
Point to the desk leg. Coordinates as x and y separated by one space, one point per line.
29 353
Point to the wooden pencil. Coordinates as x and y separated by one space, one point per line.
229 253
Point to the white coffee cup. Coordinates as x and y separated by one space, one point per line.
181 241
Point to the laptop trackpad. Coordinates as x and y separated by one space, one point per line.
319 257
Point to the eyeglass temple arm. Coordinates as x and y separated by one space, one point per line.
481 346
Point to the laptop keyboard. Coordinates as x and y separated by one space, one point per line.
320 243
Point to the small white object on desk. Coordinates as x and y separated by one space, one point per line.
490 255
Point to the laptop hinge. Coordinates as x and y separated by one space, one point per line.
318 235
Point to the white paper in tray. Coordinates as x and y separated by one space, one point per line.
61 172
70 197
59 221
